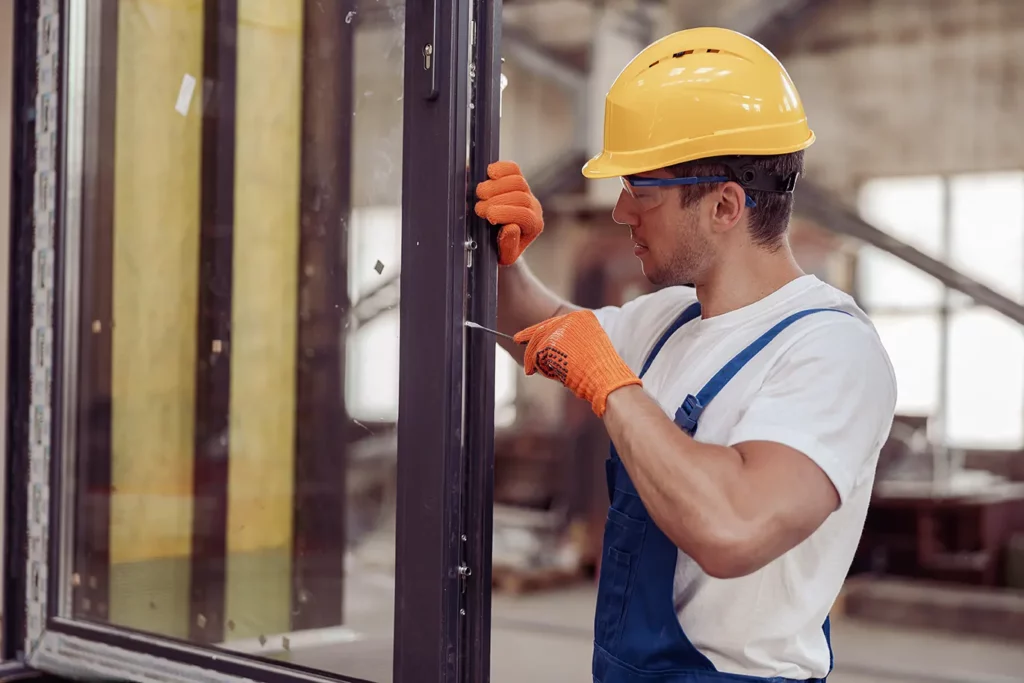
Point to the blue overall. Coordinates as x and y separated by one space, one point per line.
637 635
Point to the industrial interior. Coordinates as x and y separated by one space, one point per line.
912 202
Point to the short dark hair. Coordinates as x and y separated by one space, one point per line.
770 218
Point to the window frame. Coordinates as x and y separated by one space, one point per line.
20 314
443 540
945 309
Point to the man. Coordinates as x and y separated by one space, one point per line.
746 413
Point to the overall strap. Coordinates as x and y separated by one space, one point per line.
689 313
689 413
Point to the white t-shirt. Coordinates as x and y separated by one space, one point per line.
825 387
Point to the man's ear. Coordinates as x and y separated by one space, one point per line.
728 208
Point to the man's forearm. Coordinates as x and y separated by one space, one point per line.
523 301
687 486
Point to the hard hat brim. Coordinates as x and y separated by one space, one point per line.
617 164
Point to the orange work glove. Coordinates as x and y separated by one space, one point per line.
507 201
574 350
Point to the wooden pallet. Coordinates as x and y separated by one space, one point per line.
517 581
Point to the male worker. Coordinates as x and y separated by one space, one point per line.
746 413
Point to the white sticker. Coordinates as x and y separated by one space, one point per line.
501 93
188 86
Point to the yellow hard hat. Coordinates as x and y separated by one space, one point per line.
699 93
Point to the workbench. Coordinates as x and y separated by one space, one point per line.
931 531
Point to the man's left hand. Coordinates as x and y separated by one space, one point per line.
574 350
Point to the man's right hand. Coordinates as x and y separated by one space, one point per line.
506 200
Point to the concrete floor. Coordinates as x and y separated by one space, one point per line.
555 629
546 638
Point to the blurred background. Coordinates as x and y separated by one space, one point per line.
913 202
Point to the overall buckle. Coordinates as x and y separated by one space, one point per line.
688 414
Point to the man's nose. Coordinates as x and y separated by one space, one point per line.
624 213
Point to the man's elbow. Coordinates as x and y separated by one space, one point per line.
728 565
728 554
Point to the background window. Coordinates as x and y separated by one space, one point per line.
913 343
506 375
375 234
985 391
987 230
974 222
371 375
910 209
886 282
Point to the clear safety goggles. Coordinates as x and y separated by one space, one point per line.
647 191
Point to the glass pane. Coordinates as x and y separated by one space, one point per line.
371 382
958 300
912 342
884 281
910 209
986 381
987 221
506 373
238 361
371 389
907 208
374 252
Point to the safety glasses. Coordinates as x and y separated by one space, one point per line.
648 194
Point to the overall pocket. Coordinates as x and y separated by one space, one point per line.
623 544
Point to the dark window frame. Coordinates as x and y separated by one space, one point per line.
19 312
446 574
445 447
478 514
212 408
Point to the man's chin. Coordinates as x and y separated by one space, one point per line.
661 279
655 277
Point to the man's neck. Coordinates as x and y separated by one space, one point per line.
746 280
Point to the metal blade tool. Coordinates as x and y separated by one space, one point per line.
476 326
